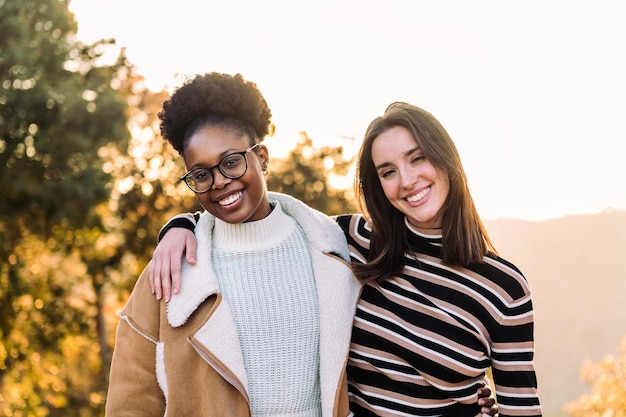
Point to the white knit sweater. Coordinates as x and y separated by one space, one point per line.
264 271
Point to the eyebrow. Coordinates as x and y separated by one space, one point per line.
228 152
221 156
407 153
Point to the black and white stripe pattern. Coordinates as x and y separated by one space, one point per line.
424 340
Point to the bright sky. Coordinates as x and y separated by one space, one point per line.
532 92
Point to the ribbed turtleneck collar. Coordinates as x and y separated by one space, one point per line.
430 235
257 235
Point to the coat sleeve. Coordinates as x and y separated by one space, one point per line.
133 386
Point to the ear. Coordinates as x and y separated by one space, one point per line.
264 156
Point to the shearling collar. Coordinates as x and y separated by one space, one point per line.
199 280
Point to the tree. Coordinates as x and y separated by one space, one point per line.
305 173
608 388
58 110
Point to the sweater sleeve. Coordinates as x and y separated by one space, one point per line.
185 220
512 358
133 387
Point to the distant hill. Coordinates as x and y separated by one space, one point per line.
576 267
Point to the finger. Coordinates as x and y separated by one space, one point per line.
165 279
490 411
155 277
483 392
175 270
486 402
151 276
191 248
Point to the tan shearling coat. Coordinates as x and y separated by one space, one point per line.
183 358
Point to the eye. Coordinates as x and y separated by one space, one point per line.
200 175
417 158
386 173
231 161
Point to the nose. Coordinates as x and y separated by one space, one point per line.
219 180
408 178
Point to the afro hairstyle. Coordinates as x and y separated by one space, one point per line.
219 98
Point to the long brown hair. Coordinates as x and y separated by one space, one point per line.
465 239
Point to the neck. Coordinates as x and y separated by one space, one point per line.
255 235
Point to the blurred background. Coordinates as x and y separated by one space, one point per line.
533 94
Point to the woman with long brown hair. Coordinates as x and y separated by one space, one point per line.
439 307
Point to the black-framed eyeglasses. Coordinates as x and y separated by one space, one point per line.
233 166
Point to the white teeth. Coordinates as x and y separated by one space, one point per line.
230 199
418 197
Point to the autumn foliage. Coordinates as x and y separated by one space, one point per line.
608 388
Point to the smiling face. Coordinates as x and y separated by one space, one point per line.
232 200
411 183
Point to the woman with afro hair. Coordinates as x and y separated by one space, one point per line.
262 325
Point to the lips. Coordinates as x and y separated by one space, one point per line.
417 197
230 199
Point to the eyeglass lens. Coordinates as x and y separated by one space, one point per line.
231 166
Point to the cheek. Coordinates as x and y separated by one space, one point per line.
255 167
444 180
255 173
255 179
389 188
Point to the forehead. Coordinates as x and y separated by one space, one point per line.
393 144
211 143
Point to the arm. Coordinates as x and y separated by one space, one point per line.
513 369
176 239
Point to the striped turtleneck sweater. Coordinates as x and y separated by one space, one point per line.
424 340
265 273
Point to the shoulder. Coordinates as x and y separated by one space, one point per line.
309 218
320 229
354 225
358 234
505 275
296 208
